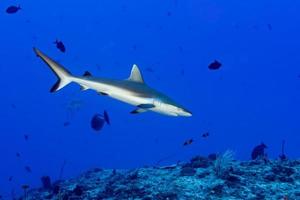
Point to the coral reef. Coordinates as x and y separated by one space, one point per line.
213 177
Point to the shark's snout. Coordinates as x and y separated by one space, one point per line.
185 113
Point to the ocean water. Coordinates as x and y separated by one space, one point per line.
254 97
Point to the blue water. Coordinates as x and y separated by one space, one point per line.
254 97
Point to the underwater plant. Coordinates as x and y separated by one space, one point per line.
223 163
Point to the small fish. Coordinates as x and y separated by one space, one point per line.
182 72
258 151
270 27
134 47
124 8
67 124
28 169
205 135
149 69
60 45
25 187
26 137
169 13
18 155
13 9
214 65
188 142
99 120
180 48
46 182
10 178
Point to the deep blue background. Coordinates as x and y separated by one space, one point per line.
254 97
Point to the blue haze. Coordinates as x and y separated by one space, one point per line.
254 97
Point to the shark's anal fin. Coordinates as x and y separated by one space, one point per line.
138 110
146 106
103 93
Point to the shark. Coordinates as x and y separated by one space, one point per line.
133 90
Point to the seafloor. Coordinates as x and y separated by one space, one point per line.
207 178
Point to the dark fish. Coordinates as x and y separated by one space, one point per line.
13 9
182 72
188 142
25 187
67 124
205 135
134 47
180 48
18 155
99 120
28 169
149 69
212 156
46 182
26 137
258 151
60 45
270 27
214 65
10 178
169 13
124 8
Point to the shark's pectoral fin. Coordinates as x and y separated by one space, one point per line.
146 106
83 88
142 108
138 110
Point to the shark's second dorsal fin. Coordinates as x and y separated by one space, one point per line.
87 74
136 75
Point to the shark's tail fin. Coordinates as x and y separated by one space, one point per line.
63 75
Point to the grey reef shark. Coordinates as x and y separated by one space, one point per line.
133 90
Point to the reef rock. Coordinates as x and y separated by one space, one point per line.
196 180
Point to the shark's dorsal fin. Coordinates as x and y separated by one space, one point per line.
136 75
87 74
